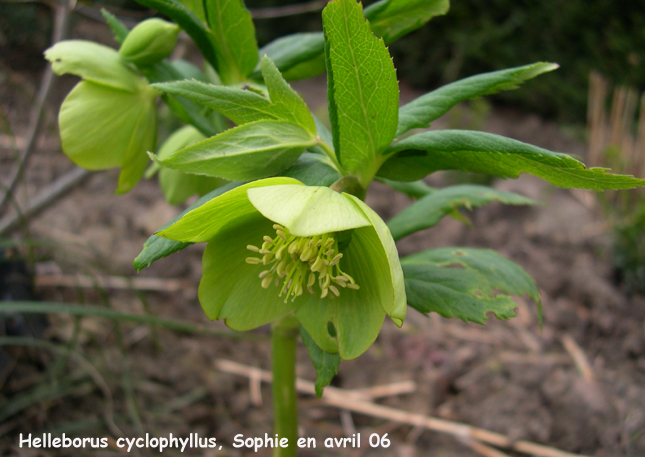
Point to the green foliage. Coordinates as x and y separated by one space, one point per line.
251 151
300 55
431 208
361 89
326 364
156 248
466 283
243 106
495 155
289 51
391 19
233 34
425 109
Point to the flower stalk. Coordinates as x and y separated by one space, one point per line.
284 339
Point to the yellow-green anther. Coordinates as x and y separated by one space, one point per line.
266 282
308 257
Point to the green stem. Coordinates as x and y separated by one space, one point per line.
284 338
329 152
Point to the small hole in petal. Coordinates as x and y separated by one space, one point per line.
331 329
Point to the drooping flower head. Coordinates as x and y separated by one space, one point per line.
276 246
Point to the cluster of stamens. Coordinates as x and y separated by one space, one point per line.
295 261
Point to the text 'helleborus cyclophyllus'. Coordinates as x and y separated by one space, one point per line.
276 246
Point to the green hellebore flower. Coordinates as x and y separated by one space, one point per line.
276 246
109 119
149 42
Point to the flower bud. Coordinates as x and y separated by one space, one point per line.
149 42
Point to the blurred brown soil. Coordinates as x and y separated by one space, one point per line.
509 376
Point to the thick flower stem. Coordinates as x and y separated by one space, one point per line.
284 338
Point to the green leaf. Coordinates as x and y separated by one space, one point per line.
326 364
243 106
425 109
415 189
250 151
119 30
466 283
289 51
313 170
391 19
93 62
234 37
362 89
102 127
156 248
187 110
430 209
494 155
240 106
201 223
196 7
193 25
298 56
284 100
309 69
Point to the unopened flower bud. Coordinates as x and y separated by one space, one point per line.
149 42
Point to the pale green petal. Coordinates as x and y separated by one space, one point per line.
93 62
308 211
357 315
99 125
232 207
142 139
230 288
397 307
